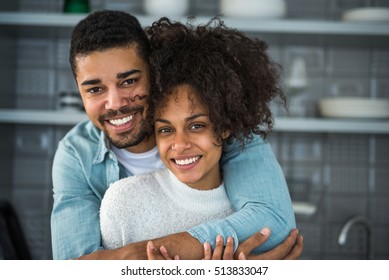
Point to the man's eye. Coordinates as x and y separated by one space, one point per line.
129 81
94 90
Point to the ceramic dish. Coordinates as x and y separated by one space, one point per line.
253 9
354 107
169 8
367 14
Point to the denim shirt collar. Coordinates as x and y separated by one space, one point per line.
103 149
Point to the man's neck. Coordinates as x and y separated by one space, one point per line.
147 144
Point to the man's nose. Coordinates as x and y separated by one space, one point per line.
116 99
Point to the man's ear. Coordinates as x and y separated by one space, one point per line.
225 134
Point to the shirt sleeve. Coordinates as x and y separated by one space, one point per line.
75 228
258 191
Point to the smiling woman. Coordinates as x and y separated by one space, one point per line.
186 140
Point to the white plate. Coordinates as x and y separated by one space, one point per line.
354 107
366 14
253 9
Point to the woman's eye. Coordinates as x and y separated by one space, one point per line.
196 126
164 130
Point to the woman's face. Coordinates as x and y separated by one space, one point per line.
186 141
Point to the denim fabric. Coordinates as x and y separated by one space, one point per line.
84 166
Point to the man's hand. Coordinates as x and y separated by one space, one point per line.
290 249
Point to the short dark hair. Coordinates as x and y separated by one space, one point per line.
102 30
232 74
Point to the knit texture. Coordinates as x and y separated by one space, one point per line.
156 204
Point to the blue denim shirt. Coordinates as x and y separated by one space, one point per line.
84 166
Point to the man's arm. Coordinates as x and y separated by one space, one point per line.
290 249
181 244
258 191
75 226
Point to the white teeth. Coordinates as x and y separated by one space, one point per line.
122 121
186 161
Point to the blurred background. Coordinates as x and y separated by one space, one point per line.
332 143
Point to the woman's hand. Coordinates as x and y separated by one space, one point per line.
221 252
226 252
161 254
290 249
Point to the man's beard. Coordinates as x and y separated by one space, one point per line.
126 140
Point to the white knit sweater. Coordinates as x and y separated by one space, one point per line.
156 204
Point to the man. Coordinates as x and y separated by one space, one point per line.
109 59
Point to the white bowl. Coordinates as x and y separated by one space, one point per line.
354 107
366 14
168 8
251 8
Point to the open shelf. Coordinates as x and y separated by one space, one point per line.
313 125
245 24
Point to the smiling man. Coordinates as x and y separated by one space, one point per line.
109 57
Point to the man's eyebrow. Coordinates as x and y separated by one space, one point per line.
91 82
127 73
119 76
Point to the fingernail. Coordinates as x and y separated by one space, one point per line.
151 245
229 239
242 256
206 246
265 231
219 238
163 249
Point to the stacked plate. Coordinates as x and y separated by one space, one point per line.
268 9
371 14
354 107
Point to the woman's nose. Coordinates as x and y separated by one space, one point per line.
181 142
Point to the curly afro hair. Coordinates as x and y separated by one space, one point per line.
231 73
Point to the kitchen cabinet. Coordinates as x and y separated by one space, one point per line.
338 165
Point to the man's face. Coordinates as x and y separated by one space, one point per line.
114 86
